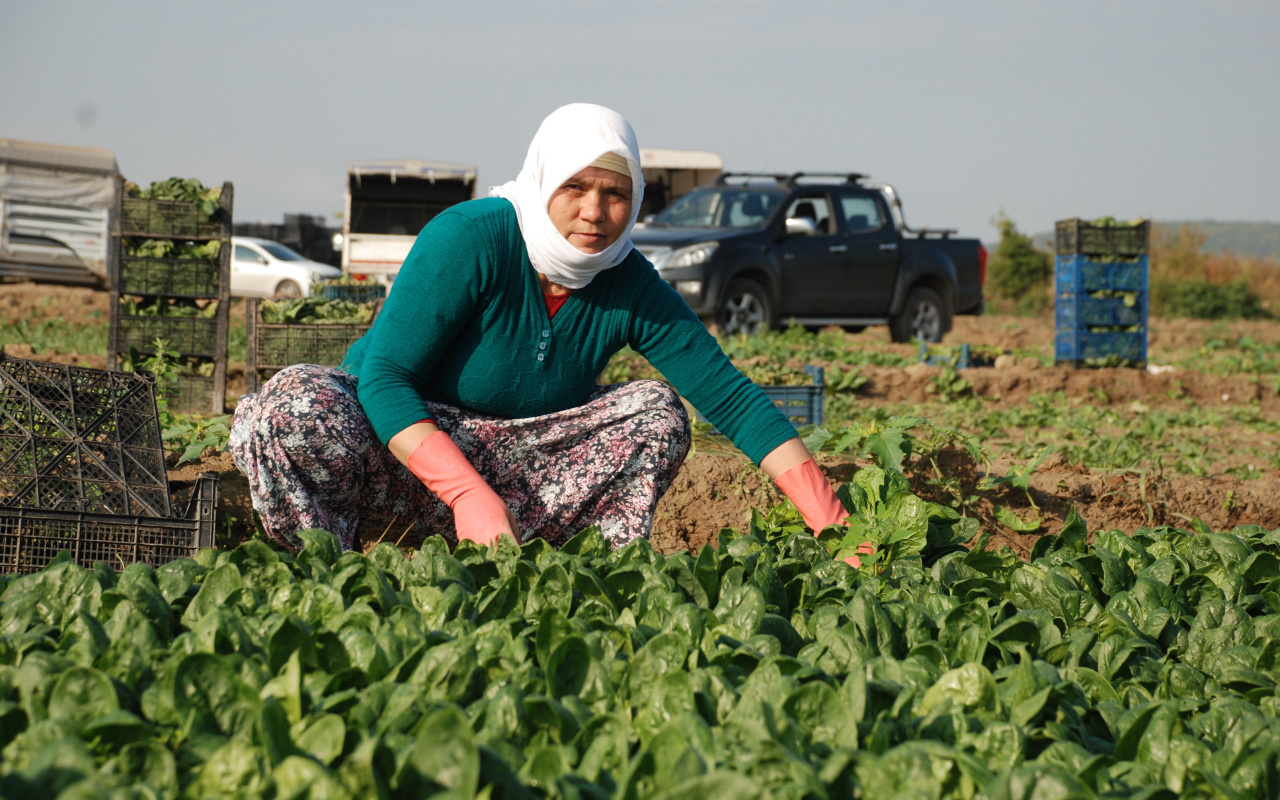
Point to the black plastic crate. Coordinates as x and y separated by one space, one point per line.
274 346
168 218
1078 237
1078 345
355 294
31 538
79 439
170 277
326 345
803 405
194 394
1080 274
190 336
1080 310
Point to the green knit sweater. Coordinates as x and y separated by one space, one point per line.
466 325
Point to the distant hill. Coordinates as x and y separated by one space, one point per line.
1256 239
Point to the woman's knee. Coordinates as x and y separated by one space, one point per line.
298 404
663 414
659 401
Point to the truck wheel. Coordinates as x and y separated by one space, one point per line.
288 289
923 317
745 308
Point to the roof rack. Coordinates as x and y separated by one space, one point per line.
792 178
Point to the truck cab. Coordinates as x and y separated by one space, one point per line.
388 203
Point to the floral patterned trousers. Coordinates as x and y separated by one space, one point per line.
313 460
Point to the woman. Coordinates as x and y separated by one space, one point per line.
471 407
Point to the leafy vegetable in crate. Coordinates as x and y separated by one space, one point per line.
165 248
188 190
315 310
172 307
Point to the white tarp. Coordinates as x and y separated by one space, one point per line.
36 172
56 187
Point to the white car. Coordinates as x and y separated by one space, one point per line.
263 268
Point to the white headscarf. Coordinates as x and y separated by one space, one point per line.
568 141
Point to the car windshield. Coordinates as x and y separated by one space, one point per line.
281 252
720 208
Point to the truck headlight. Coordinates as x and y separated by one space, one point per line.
692 255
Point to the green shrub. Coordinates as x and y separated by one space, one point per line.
1019 273
1198 298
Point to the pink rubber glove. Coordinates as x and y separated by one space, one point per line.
806 487
478 513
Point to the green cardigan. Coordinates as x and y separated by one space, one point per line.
466 325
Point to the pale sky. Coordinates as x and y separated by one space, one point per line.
1166 110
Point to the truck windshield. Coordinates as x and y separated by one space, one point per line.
720 208
281 252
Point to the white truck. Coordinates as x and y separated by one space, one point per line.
56 206
388 203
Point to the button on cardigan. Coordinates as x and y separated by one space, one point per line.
465 324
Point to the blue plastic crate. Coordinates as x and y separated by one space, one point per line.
803 405
1078 274
1074 345
355 294
1080 310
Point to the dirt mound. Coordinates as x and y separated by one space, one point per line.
1015 384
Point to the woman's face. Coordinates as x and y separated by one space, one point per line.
592 208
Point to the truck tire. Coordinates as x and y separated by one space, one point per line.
744 308
287 288
923 317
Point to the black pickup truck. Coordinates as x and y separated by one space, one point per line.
751 251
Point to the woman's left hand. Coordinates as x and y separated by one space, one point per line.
482 519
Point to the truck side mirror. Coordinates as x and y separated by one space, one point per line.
801 226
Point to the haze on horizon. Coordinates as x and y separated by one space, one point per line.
1042 110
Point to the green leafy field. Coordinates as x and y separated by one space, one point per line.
1135 667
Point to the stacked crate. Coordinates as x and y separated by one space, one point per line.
199 341
1102 298
82 470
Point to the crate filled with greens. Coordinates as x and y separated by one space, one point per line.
188 328
1102 298
308 330
171 283
178 208
161 268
